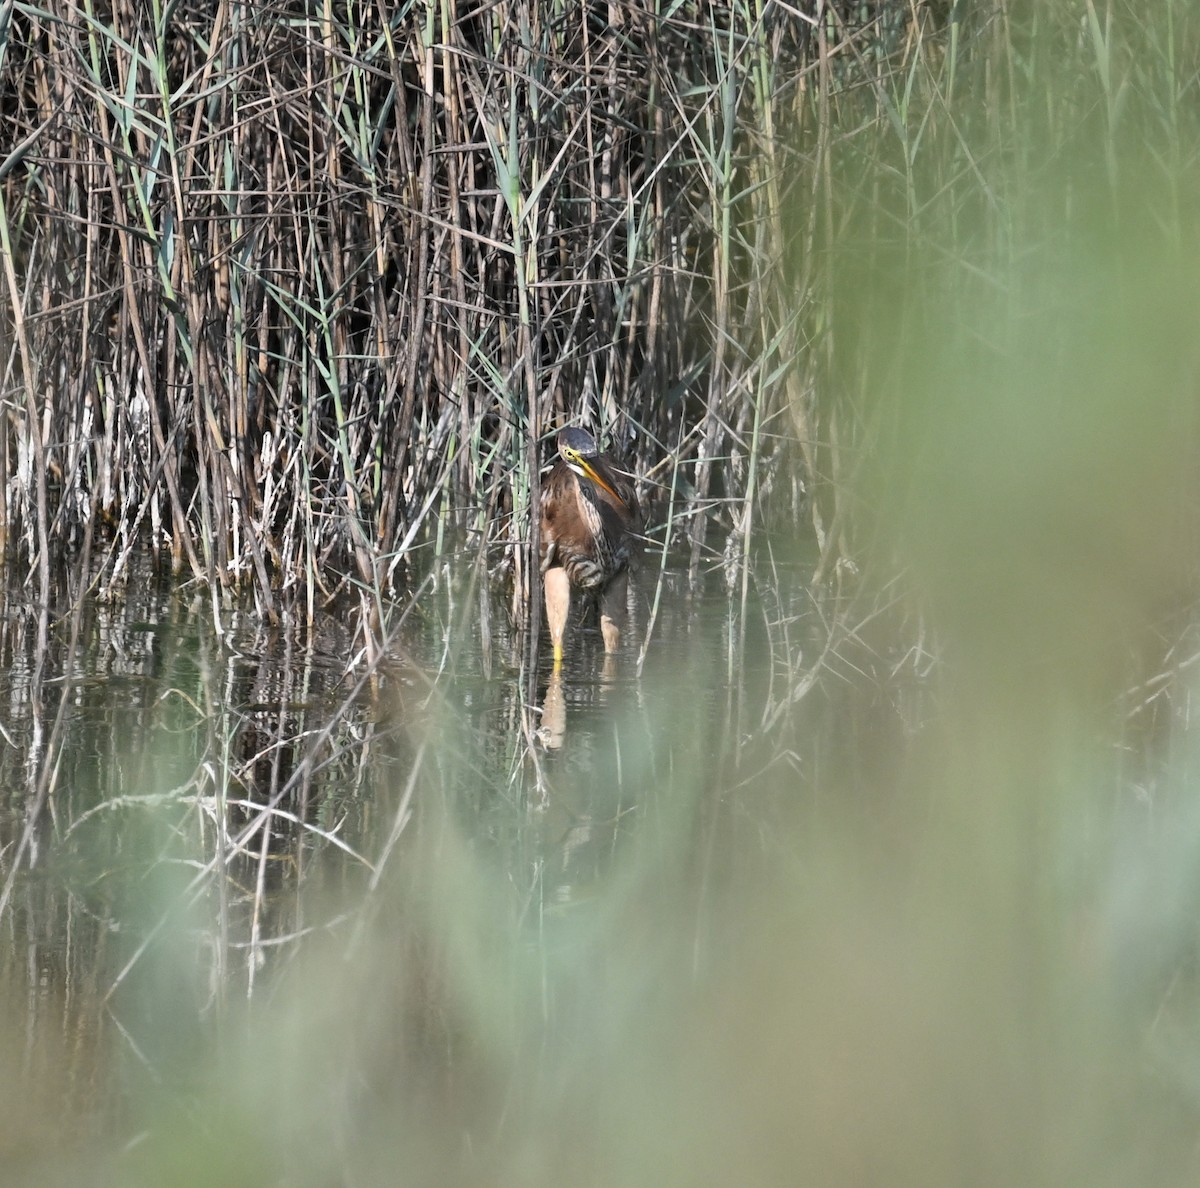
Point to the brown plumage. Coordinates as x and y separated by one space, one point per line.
590 520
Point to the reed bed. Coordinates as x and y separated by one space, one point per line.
288 283
290 290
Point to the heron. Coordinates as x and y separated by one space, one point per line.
590 521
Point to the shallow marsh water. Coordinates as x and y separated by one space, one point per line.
291 917
147 895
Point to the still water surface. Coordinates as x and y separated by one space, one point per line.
233 793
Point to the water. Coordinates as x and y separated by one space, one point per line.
289 916
213 803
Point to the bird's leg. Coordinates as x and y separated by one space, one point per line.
557 587
612 610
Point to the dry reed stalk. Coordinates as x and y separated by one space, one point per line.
281 265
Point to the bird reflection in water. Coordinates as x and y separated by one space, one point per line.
554 714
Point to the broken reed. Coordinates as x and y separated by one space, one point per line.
285 281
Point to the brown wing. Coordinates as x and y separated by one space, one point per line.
561 522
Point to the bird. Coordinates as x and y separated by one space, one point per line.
590 523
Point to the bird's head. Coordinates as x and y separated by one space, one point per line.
578 449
